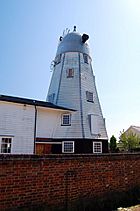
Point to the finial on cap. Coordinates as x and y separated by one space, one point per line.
74 29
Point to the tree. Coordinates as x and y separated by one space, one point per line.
129 141
113 144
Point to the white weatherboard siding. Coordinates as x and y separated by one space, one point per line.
55 77
71 93
68 95
17 120
49 123
89 108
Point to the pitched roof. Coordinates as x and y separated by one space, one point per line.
32 102
137 128
134 129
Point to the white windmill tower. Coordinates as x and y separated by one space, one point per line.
73 86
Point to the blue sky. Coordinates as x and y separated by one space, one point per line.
29 32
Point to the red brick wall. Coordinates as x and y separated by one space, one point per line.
59 179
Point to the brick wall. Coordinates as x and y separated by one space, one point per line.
59 180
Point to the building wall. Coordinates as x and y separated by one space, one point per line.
132 129
88 84
17 121
67 93
47 122
71 93
59 180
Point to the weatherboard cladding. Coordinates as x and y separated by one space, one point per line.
48 123
92 108
72 93
59 85
88 83
17 121
80 92
67 92
69 95
54 87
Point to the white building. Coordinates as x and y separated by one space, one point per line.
73 86
71 121
26 123
134 130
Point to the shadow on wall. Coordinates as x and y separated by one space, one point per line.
108 202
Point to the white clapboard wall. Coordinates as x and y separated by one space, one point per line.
17 121
71 91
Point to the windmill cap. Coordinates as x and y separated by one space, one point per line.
73 42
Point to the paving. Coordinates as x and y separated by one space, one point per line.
133 208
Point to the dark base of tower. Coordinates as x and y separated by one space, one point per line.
80 146
86 145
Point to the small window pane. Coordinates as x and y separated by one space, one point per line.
86 58
89 96
68 147
66 119
6 145
70 73
97 147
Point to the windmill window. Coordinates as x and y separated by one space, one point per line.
89 96
66 120
5 144
97 147
86 58
58 59
68 147
70 73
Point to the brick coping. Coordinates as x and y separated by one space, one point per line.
105 156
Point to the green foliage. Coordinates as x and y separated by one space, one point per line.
113 144
128 141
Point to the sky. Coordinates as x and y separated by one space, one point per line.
29 33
